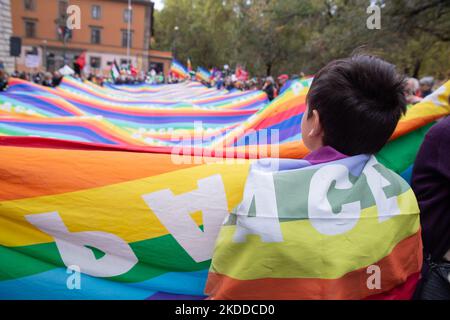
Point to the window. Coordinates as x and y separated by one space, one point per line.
95 62
96 12
29 5
30 29
125 39
127 15
96 35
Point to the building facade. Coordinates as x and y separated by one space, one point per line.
5 34
102 34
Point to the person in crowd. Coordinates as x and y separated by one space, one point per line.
153 76
38 78
431 184
269 88
353 107
239 85
218 79
47 81
426 86
56 79
411 91
160 78
226 71
228 83
283 83
3 80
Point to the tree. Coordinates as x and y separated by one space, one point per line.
289 36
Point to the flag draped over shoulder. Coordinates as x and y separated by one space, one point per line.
179 70
319 231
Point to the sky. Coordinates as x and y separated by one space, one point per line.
159 4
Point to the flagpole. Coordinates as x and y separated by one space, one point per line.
129 33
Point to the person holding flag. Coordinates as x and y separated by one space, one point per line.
79 63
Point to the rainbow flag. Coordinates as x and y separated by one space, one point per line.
179 70
318 230
203 75
98 226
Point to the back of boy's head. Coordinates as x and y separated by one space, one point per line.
360 101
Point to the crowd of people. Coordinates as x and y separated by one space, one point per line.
415 89
152 77
225 78
239 80
46 79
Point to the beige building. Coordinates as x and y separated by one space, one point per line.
102 34
5 34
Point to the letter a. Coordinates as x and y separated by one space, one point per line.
74 17
74 280
174 213
374 281
259 188
118 258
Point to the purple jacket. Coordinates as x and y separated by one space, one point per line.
431 184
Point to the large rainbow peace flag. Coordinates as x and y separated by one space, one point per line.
119 192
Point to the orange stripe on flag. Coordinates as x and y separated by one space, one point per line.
395 270
55 171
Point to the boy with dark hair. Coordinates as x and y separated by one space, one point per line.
354 105
337 224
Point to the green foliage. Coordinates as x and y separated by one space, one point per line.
293 36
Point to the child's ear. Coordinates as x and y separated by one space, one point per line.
316 126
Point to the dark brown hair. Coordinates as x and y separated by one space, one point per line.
360 101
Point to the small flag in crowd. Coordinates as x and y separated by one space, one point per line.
115 70
179 70
202 74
